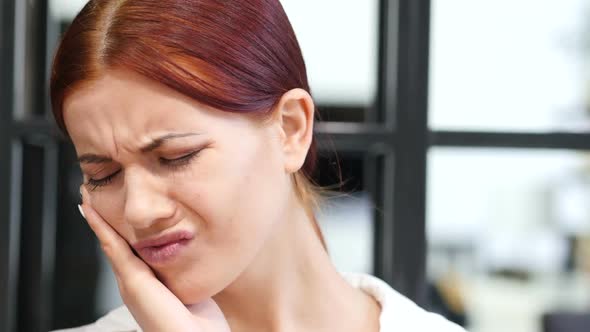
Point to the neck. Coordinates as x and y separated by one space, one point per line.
293 286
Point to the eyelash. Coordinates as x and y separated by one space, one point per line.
173 164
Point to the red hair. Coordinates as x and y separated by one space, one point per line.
233 55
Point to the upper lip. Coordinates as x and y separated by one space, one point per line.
163 239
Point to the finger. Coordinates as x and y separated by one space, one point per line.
113 245
148 299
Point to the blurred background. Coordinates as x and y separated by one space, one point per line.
462 129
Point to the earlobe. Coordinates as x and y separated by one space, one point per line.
296 112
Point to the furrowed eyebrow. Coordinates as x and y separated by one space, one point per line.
90 158
157 142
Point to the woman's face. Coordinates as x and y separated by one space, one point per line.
157 163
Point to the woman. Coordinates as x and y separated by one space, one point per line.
193 124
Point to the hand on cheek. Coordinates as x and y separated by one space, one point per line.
152 304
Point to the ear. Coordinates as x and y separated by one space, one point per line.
295 114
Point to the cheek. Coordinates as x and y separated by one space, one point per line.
109 205
240 194
235 197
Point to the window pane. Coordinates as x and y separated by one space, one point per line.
340 50
509 235
510 65
65 10
339 42
347 223
346 217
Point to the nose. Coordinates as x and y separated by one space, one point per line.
147 204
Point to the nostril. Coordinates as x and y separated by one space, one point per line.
158 215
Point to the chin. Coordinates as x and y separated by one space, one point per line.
191 288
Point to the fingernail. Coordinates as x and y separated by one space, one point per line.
81 211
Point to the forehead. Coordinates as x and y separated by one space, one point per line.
124 98
123 109
126 108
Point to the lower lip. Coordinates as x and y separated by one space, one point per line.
163 254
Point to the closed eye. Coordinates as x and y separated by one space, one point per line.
95 183
171 163
180 161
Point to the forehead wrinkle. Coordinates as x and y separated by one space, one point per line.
130 115
106 139
107 116
128 128
115 143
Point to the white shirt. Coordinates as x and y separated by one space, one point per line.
398 313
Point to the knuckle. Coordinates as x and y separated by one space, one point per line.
108 250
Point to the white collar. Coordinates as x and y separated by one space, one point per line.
398 313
